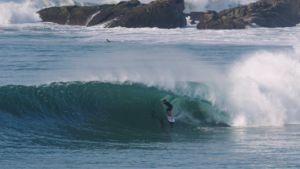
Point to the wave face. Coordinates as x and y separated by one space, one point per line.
108 109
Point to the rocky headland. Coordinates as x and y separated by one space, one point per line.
169 14
130 14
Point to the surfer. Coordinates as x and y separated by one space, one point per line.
169 109
107 40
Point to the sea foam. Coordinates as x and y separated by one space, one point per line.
11 13
18 12
265 90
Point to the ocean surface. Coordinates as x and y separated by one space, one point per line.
70 100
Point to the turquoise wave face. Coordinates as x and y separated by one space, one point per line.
106 110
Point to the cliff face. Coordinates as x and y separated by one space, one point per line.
265 13
131 14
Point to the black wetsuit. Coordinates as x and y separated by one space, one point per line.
170 107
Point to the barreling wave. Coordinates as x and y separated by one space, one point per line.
109 109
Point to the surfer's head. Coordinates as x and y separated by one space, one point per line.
164 101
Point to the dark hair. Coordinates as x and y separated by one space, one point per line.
164 100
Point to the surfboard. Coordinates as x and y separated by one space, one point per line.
172 121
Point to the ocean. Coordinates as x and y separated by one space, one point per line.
70 100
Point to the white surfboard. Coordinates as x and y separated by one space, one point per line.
172 121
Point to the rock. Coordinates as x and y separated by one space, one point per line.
160 13
114 12
213 22
275 13
196 16
131 14
240 11
210 15
259 20
70 15
265 13
187 14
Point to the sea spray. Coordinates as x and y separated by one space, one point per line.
11 13
24 11
18 12
265 90
218 5
49 3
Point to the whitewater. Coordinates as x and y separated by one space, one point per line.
70 100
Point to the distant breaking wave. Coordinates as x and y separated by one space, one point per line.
12 13
16 12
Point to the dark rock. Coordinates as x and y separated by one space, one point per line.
259 20
240 11
210 15
58 15
196 16
131 14
160 13
275 13
114 12
265 13
187 14
213 22
70 15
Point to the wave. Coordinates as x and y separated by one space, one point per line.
100 107
261 90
